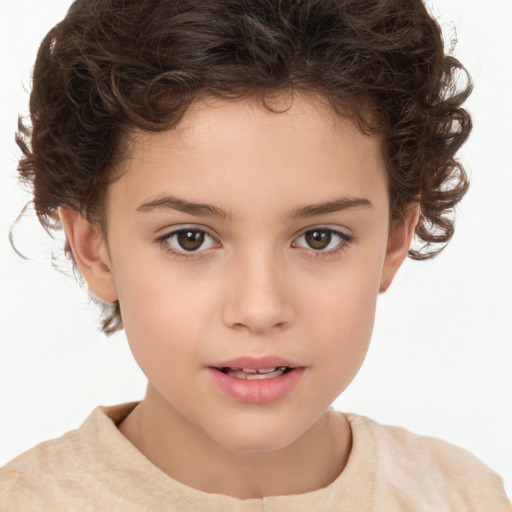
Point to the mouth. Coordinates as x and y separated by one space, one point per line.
259 380
255 374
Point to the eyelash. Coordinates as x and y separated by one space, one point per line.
345 241
163 241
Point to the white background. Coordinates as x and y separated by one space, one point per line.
441 359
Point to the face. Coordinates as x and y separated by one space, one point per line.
244 233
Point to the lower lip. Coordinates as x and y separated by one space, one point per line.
256 391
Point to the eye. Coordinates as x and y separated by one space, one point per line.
323 240
188 240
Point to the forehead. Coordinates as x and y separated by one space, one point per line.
245 155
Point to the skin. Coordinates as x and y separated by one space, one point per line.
254 288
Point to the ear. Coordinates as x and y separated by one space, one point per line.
90 252
398 245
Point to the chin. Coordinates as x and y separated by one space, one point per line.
256 437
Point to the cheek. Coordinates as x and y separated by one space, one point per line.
348 317
164 316
343 319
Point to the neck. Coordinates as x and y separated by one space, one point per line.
187 455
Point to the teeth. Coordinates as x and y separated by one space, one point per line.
259 374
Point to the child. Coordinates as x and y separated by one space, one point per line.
238 181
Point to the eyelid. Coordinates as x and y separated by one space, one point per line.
346 240
162 240
333 229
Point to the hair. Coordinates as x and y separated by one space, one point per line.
112 67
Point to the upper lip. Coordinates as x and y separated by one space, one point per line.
256 363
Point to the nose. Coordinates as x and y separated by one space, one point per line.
257 294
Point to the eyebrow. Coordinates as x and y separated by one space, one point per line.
336 205
182 205
207 210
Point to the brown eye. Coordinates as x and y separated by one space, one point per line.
323 240
190 240
318 239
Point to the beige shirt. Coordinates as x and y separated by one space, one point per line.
389 469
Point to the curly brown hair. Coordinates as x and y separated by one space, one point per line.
113 66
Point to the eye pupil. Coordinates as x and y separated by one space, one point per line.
318 239
190 240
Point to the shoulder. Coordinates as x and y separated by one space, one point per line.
29 480
415 467
422 450
63 471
